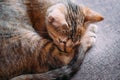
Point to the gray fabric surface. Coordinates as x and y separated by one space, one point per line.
102 62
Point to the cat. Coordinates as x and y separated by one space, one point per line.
24 50
66 72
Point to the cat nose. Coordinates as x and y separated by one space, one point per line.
63 40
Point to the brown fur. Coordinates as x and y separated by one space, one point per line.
32 49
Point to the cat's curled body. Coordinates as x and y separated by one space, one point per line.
24 47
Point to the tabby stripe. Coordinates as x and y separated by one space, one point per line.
50 58
43 53
51 50
45 44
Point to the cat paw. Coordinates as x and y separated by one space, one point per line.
92 28
89 38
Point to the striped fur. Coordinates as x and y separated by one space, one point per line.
28 48
69 28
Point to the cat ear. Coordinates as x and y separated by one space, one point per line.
92 16
51 18
56 17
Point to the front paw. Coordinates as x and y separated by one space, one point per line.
89 38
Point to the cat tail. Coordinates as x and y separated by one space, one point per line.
63 73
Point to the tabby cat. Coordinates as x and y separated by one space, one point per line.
28 48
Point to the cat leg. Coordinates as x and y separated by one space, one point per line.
89 38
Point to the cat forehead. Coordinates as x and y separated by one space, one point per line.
72 11
75 14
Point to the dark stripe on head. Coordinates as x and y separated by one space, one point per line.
74 17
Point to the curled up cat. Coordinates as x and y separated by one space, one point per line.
67 71
25 51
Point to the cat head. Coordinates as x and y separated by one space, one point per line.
66 23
